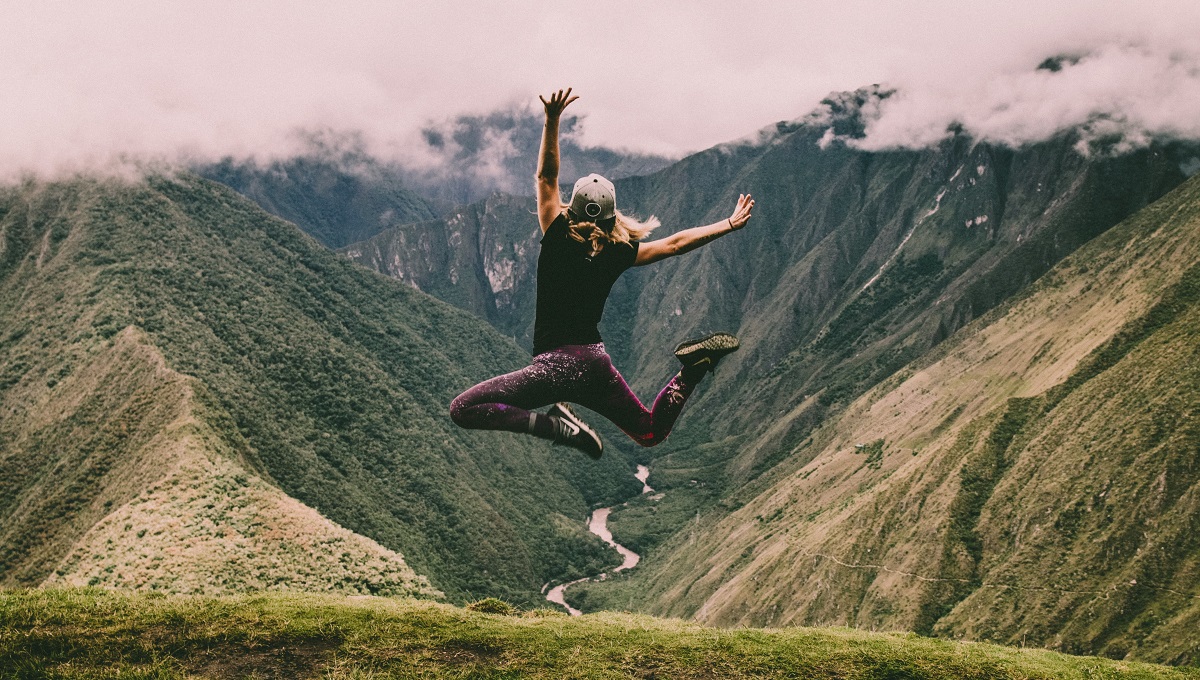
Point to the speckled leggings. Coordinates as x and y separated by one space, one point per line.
581 374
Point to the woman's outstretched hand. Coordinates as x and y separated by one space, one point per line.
558 102
741 214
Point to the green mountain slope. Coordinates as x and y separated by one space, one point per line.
305 376
132 488
855 264
90 633
336 199
1033 480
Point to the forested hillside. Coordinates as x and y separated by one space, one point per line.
335 198
172 354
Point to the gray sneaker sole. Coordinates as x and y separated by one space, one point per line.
718 344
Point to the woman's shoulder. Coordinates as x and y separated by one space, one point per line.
557 228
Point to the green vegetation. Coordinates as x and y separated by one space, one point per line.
988 460
95 634
873 452
320 378
336 200
492 605
1054 500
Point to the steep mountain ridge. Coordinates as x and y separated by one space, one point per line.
480 257
855 264
1031 480
318 379
335 198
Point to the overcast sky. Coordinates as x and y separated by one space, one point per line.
86 81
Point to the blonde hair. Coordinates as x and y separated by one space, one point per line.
624 230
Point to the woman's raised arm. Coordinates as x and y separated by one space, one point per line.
691 239
549 200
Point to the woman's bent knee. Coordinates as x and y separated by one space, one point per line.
458 410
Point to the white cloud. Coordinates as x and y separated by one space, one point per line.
87 82
1127 94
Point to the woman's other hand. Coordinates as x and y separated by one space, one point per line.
558 101
741 214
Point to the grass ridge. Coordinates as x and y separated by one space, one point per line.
91 633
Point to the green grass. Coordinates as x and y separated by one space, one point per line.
103 634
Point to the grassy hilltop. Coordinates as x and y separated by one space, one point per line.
94 634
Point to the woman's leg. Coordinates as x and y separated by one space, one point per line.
506 402
608 394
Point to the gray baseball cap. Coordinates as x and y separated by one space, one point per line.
594 198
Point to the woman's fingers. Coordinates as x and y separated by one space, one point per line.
741 214
558 101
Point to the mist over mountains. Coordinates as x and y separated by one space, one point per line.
340 194
472 156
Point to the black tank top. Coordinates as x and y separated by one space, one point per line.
572 287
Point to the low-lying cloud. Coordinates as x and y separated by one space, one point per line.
1120 96
89 85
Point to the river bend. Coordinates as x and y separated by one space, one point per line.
598 524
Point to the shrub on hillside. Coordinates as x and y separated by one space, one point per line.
492 605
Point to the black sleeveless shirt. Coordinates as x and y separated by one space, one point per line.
572 287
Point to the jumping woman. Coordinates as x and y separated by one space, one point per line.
586 245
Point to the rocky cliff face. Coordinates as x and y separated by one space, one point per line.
481 257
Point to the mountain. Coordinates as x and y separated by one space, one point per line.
1035 479
337 198
480 257
199 397
339 193
856 265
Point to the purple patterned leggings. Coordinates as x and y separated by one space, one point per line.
582 374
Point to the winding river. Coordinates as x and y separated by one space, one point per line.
598 524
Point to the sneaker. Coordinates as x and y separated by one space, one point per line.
707 350
570 430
